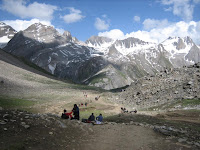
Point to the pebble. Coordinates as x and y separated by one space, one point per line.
182 140
5 129
51 133
5 115
26 126
2 122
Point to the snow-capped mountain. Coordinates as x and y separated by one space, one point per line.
100 61
6 33
181 51
100 43
56 53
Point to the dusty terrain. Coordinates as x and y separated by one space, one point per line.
22 130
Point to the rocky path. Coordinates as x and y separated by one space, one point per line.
126 137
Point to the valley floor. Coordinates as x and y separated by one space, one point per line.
21 130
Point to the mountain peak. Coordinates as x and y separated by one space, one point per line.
2 24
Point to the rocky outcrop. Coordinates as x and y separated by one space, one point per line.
166 88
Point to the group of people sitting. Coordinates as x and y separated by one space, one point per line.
91 119
75 111
124 110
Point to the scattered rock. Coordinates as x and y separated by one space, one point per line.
2 122
182 140
27 126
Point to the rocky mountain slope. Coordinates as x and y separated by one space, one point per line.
6 33
172 88
100 61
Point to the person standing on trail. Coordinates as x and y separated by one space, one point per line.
76 112
99 119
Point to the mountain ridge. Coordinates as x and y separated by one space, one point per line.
67 58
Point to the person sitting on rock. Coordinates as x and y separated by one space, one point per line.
66 115
99 119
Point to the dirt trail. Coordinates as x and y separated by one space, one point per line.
129 137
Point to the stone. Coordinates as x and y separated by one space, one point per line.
27 126
23 123
51 133
2 122
5 129
182 140
5 115
91 130
26 117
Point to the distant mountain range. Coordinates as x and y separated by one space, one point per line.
100 61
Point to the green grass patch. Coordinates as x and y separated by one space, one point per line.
187 102
15 103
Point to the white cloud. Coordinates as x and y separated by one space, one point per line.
179 29
136 18
101 24
73 16
113 34
152 23
181 8
20 25
23 24
159 34
34 10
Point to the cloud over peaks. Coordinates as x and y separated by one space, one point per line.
20 9
113 34
73 16
152 23
181 8
102 24
136 18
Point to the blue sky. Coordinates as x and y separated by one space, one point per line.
150 20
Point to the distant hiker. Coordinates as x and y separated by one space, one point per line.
91 118
66 115
86 104
135 111
97 98
99 119
124 110
76 112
